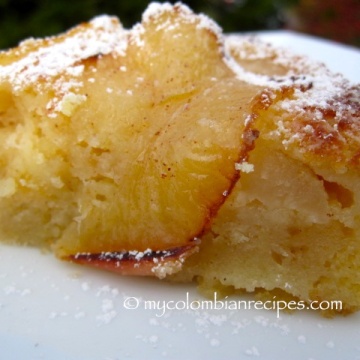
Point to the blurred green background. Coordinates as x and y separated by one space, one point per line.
334 19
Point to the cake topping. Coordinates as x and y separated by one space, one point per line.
38 59
323 113
156 10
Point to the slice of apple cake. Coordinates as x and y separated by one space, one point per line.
123 149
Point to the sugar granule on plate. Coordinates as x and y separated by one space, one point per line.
301 339
79 315
215 342
108 312
85 286
253 351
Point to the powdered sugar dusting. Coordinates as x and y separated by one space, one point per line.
295 69
252 48
53 56
155 10
272 82
324 118
183 13
321 112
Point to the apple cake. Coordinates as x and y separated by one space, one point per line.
172 150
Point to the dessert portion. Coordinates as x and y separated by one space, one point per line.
120 145
291 226
172 150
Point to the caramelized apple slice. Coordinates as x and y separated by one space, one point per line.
155 143
144 263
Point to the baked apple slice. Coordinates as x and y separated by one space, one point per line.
155 145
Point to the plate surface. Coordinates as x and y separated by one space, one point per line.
55 310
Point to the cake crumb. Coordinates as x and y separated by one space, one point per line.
244 167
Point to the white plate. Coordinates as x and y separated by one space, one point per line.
55 310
